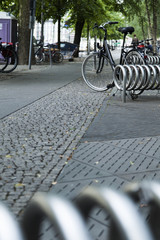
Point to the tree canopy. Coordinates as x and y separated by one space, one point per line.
143 14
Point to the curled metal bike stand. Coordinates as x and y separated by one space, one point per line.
61 213
126 222
152 59
136 78
9 228
150 193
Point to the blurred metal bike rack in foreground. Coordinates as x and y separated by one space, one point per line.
71 219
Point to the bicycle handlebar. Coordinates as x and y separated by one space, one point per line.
102 26
145 40
112 23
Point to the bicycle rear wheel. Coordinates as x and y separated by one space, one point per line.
3 61
133 58
57 57
97 72
12 60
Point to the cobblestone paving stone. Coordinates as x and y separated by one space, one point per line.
37 141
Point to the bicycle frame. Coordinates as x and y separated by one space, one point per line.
105 53
122 49
40 48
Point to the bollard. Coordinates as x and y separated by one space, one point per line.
50 55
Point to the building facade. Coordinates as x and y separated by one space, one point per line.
51 32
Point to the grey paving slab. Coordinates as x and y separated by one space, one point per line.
21 88
113 152
116 120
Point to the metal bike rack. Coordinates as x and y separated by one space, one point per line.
71 219
152 59
61 214
136 77
126 223
9 228
150 193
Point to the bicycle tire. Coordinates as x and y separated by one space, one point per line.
3 61
97 75
39 56
12 60
133 58
57 57
138 60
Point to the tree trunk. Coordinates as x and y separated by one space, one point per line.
88 39
149 17
78 32
142 26
155 4
42 22
23 32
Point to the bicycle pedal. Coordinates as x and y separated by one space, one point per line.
111 85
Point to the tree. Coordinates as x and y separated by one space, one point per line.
60 7
85 12
10 6
21 9
24 31
53 9
153 6
148 17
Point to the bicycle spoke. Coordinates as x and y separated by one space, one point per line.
96 74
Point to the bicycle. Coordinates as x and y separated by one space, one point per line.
98 67
8 57
43 53
56 55
39 53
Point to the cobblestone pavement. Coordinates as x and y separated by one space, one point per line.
38 140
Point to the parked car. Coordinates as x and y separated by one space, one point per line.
67 49
67 46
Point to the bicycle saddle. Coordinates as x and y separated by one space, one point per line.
126 30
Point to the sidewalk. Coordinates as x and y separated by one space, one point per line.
121 145
73 138
39 136
24 86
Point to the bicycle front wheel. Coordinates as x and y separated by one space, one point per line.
57 57
97 72
40 57
12 60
